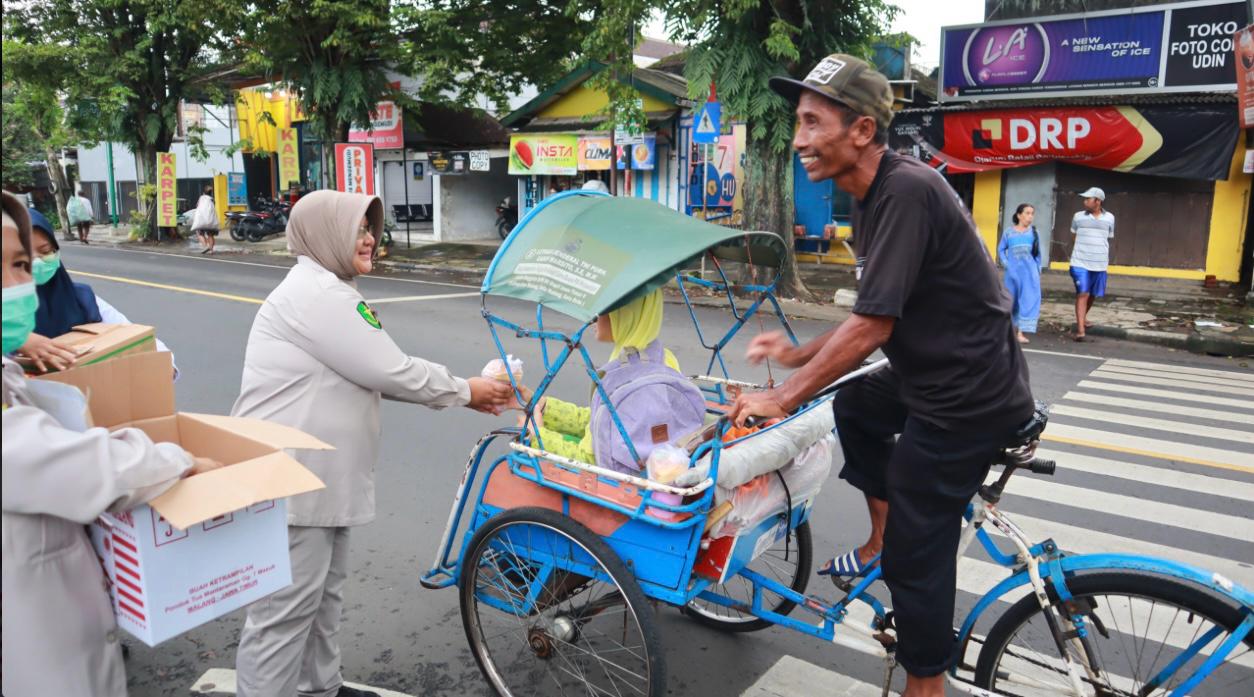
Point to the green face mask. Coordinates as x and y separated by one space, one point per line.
44 268
19 305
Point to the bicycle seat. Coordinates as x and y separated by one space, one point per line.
1031 429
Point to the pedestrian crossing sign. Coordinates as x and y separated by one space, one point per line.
706 125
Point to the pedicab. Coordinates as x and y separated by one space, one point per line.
559 563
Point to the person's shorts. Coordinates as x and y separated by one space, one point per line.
212 232
1091 282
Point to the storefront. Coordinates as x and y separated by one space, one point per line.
556 147
1038 110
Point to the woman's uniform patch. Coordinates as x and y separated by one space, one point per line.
367 314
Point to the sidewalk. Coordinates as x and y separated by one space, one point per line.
1173 313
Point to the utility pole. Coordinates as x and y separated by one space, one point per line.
113 187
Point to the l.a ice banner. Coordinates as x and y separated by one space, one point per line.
1193 141
1160 48
354 168
289 157
167 190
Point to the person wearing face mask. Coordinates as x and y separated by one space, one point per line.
319 359
59 635
63 303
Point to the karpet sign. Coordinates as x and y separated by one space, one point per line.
1160 48
289 157
167 191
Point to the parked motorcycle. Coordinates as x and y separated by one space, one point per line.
506 216
269 218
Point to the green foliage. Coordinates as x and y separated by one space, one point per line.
21 144
477 53
333 53
740 44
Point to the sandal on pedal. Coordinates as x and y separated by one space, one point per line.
847 565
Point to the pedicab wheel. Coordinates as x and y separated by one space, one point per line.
539 630
1137 629
790 567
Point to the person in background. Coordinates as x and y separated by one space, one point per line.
78 208
595 185
205 220
1020 253
59 635
1093 228
63 304
318 359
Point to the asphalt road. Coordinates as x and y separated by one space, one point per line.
398 636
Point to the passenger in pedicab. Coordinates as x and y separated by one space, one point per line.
654 401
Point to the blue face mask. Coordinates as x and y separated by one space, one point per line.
19 305
44 268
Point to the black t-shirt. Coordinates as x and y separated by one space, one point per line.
921 260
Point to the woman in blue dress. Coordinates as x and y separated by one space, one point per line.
1020 253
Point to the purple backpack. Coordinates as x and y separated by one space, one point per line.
654 402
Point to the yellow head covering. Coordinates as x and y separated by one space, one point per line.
638 324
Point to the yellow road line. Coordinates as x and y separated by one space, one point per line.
180 289
1147 453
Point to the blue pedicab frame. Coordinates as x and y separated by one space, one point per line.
661 553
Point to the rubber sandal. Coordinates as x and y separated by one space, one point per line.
847 565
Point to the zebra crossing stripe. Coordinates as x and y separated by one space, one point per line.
1247 377
1159 407
1150 447
1171 515
1225 381
1240 404
1114 374
1099 416
1158 476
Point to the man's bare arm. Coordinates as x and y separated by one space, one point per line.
844 349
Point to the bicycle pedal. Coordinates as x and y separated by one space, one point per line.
842 584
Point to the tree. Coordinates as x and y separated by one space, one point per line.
334 54
21 145
475 53
739 45
135 59
35 78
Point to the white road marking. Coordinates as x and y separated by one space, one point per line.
1218 524
222 680
1064 354
412 298
1225 381
1158 476
1089 398
794 677
272 266
1104 374
1188 370
1165 449
1103 418
1168 394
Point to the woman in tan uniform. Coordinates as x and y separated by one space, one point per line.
59 634
318 359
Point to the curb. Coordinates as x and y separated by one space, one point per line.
1194 342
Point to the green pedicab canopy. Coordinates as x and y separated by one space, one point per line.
583 254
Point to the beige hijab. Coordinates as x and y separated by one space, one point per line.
323 226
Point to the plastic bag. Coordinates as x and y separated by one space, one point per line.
496 370
764 496
665 463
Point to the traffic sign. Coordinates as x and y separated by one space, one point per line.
706 127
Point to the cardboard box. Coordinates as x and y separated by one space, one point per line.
94 343
212 543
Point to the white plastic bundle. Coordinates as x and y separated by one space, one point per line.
764 452
766 496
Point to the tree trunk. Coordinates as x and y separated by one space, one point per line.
147 174
61 190
769 206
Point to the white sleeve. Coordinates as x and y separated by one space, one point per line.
111 315
342 338
52 470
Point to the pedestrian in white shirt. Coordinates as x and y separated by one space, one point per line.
318 359
1093 229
